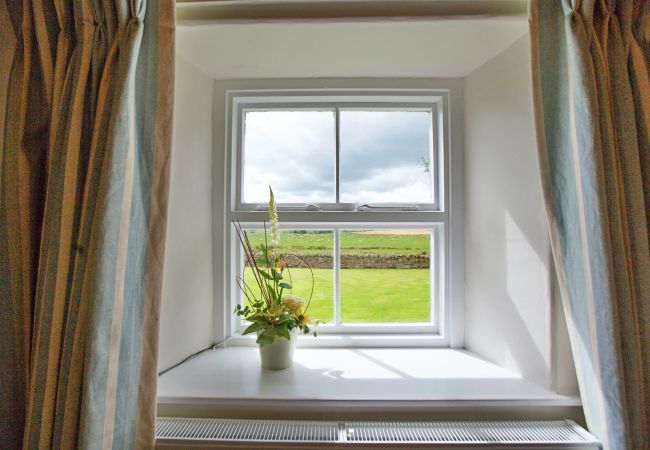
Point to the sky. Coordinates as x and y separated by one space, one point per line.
381 155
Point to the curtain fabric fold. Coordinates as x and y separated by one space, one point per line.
86 97
592 113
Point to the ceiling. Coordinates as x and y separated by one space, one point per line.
448 48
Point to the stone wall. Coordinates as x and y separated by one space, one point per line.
360 261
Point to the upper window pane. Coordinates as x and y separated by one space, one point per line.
292 151
386 157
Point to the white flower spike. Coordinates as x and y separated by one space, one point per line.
273 216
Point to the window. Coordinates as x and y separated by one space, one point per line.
362 183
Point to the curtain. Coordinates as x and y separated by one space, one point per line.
86 95
592 113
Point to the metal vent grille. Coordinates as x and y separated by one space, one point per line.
463 432
246 430
538 434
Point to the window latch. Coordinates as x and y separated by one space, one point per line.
366 207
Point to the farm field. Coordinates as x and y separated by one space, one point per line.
361 241
367 295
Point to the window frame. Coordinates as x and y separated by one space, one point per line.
431 104
447 331
436 289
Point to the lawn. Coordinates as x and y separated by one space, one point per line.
385 295
367 295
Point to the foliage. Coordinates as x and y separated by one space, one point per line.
272 313
425 164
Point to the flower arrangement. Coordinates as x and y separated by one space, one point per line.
272 312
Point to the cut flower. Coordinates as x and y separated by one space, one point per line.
270 311
293 303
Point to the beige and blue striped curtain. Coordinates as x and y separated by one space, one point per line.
592 113
86 95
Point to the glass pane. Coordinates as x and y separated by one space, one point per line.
385 276
293 152
386 157
302 249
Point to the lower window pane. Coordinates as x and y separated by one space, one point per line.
302 249
385 276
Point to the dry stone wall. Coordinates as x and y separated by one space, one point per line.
360 261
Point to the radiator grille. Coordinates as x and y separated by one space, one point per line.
565 433
465 432
246 430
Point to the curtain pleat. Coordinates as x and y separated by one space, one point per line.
591 92
14 328
86 91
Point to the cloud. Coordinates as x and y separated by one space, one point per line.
294 151
390 185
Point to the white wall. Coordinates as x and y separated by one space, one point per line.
186 323
510 305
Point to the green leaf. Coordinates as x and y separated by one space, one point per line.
255 326
265 275
283 330
285 286
266 337
277 276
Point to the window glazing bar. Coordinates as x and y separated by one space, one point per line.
335 279
337 164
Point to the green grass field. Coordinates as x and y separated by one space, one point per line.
367 295
351 242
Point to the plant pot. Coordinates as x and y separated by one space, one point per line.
279 354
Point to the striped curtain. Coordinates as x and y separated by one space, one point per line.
86 95
592 113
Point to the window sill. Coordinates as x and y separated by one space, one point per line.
356 383
361 340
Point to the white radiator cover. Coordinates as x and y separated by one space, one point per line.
232 433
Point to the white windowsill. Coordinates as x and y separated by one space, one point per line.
351 340
229 381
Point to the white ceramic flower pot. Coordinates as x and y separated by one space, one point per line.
279 354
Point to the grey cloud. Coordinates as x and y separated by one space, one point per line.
377 140
295 153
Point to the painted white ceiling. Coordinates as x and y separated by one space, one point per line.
442 48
